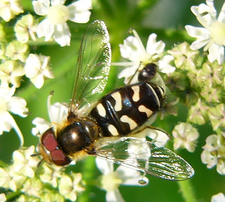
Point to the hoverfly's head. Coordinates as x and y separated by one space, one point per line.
50 150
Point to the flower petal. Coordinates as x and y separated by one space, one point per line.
17 105
4 125
57 112
154 47
218 198
46 29
41 126
104 166
114 196
62 34
56 2
128 73
38 81
81 5
216 52
205 14
79 11
221 17
164 65
12 122
131 49
198 32
41 6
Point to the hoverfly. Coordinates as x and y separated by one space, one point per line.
109 128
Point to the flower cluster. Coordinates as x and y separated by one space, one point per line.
16 59
33 182
185 135
56 15
199 83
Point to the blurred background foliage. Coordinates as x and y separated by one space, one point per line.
167 19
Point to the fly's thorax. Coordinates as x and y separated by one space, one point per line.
77 136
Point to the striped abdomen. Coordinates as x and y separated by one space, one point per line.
127 108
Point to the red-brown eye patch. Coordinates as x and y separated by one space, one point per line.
59 158
48 140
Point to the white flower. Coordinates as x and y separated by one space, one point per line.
11 72
2 197
10 8
17 51
36 68
14 104
51 174
212 36
57 14
25 28
23 166
213 153
185 135
111 180
70 186
32 187
218 198
57 113
10 179
23 162
133 50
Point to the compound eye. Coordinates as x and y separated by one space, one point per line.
59 158
50 151
48 140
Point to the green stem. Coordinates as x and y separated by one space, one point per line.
13 195
187 191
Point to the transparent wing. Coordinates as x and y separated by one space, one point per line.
144 156
93 65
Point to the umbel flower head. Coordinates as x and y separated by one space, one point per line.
134 50
57 14
212 36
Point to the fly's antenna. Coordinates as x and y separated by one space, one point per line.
40 162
